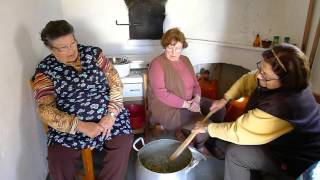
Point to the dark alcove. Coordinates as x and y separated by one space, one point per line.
146 18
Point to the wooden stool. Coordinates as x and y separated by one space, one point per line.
88 170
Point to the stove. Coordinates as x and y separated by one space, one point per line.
133 83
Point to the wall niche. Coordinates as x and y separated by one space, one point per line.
146 18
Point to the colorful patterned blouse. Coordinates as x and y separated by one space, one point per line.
85 90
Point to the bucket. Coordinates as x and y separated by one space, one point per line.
137 115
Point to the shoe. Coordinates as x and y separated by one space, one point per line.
181 136
203 150
216 152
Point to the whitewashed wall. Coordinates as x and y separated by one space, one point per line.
234 22
315 72
23 149
238 21
22 140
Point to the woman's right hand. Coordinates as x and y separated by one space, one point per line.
200 127
90 129
218 104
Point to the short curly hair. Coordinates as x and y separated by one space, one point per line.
173 34
54 30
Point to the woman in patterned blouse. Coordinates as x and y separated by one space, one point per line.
79 97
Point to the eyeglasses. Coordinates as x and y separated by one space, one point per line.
263 74
67 47
278 60
174 49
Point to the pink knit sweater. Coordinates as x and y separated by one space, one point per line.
156 76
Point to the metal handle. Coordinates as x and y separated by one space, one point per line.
135 143
134 90
197 157
121 24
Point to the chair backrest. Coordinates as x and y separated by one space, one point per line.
145 89
317 96
235 109
208 88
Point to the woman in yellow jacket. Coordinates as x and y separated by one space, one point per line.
280 129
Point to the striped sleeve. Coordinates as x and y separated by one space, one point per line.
44 95
116 87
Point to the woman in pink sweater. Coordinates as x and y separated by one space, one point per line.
174 95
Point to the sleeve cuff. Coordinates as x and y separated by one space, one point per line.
211 130
227 97
112 112
73 129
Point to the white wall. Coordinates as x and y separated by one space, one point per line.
234 22
23 148
22 140
315 72
238 21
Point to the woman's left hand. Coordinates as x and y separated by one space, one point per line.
194 107
195 104
107 123
200 127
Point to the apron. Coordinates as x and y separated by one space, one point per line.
83 94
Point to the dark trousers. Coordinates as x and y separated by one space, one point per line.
205 105
240 160
188 120
62 160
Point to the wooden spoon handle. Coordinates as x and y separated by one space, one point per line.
187 141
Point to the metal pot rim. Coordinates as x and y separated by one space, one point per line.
155 141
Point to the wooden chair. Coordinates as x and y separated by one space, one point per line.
147 126
150 131
317 96
88 170
145 99
235 109
208 88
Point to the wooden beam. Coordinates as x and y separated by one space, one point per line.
314 45
307 26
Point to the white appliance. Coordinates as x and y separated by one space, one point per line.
133 83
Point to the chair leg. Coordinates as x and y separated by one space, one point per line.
87 164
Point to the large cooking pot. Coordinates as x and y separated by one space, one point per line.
153 161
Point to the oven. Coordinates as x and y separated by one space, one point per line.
133 83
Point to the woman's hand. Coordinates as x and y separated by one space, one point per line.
194 104
218 104
200 127
90 129
186 104
107 122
